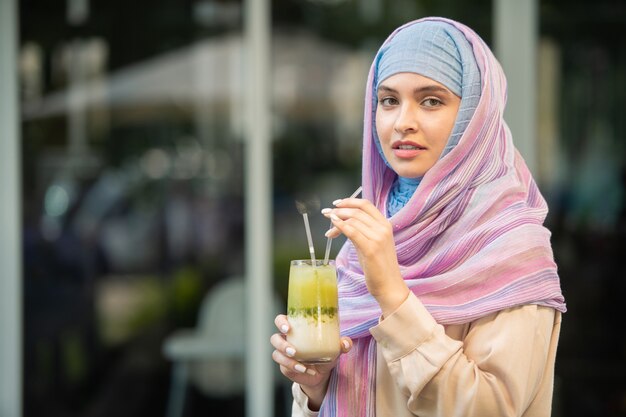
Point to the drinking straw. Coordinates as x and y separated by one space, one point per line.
308 236
302 209
330 240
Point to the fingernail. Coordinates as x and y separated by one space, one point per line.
326 210
300 368
334 217
284 328
337 201
311 372
290 351
327 234
346 344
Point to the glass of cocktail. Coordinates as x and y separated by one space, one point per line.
312 311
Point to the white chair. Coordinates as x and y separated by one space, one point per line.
211 356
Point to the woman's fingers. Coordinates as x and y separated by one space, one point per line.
284 352
332 233
282 324
279 343
361 204
346 344
352 213
292 368
368 235
291 364
372 236
306 375
363 210
356 218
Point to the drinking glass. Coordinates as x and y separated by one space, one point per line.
312 311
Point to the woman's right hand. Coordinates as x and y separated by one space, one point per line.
314 378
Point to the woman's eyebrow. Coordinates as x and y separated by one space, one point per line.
386 89
431 89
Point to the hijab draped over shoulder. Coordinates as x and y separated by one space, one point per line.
470 239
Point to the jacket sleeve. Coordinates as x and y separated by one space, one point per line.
300 406
495 371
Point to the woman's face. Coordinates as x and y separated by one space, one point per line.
414 118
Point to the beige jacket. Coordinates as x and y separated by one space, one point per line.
500 365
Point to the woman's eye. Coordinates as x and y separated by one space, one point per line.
432 102
387 101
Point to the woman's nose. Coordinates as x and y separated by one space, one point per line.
407 119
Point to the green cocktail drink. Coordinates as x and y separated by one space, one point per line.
312 311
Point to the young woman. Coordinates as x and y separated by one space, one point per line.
450 301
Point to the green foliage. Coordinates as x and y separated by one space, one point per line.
74 357
151 305
186 292
130 308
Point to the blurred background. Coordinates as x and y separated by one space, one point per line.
132 184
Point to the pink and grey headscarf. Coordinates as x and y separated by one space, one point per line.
470 241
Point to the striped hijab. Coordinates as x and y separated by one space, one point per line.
470 241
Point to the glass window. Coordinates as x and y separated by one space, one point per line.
582 142
132 188
132 142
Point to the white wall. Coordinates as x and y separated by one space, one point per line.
515 35
10 220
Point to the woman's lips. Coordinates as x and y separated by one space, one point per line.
406 149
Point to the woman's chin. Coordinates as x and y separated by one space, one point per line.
407 172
